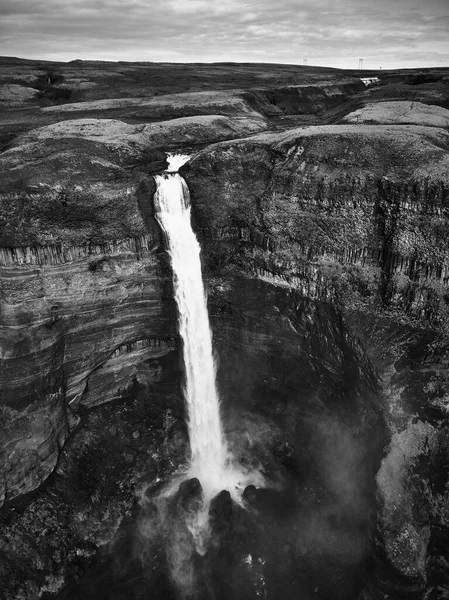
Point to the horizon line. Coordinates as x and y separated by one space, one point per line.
196 62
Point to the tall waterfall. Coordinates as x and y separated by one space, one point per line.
210 459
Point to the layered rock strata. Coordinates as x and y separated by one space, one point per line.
356 215
315 199
85 303
78 328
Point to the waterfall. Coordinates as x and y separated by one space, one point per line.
210 460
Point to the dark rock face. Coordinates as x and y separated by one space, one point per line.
122 450
304 400
100 318
356 216
331 211
303 99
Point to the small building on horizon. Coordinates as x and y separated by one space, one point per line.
370 80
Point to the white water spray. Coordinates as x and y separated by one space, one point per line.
210 461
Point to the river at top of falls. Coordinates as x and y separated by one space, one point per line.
211 461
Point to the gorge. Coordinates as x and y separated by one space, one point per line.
321 210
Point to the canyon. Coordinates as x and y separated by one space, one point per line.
321 210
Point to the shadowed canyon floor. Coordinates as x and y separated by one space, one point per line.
321 208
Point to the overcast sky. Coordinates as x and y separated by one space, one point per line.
385 33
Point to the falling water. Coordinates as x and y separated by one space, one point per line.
210 461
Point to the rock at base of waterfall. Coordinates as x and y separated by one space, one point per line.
157 161
189 495
221 512
249 494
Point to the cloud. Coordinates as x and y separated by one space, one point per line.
333 32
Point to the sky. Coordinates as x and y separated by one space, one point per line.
336 33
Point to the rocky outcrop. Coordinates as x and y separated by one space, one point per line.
88 307
413 113
304 98
15 95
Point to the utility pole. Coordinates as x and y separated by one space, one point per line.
304 61
360 64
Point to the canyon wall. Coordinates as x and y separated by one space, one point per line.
356 216
79 326
86 309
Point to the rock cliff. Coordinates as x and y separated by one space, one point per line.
356 215
324 202
81 285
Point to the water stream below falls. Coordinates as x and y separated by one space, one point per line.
211 461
